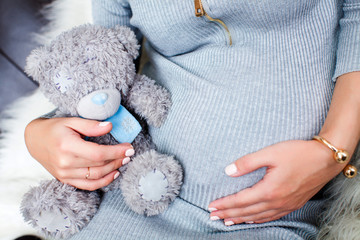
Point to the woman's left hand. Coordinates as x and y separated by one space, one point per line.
296 171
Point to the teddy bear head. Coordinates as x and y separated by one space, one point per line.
87 70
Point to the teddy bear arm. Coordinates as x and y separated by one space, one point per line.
149 100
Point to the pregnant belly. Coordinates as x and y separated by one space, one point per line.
205 139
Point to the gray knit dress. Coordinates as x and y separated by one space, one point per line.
273 83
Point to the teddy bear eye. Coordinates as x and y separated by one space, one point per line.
63 81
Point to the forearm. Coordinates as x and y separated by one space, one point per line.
110 13
342 124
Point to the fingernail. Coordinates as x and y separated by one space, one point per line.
125 160
116 175
214 218
212 209
231 169
130 152
249 222
103 124
229 223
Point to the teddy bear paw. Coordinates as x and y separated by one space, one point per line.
53 222
151 182
153 186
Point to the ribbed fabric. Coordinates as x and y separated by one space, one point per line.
273 84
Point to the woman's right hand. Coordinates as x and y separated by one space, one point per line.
58 144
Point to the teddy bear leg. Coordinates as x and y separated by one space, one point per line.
143 143
151 182
58 210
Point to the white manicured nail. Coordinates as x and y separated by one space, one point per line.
125 160
214 218
103 124
212 209
229 223
116 175
130 152
231 169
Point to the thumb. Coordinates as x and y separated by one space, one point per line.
247 164
89 128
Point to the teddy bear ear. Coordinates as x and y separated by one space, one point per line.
128 38
36 63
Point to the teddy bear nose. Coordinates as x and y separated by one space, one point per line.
100 98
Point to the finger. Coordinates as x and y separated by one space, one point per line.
258 193
91 185
257 218
248 163
91 172
273 218
240 212
77 162
89 128
91 150
96 152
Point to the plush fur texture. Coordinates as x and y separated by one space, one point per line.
139 99
341 220
62 62
139 167
52 196
18 170
92 66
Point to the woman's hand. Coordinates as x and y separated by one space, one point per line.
59 146
296 171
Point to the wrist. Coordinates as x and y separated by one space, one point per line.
344 139
340 156
342 125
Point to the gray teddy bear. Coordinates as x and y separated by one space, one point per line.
89 72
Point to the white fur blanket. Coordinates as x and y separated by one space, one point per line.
18 171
